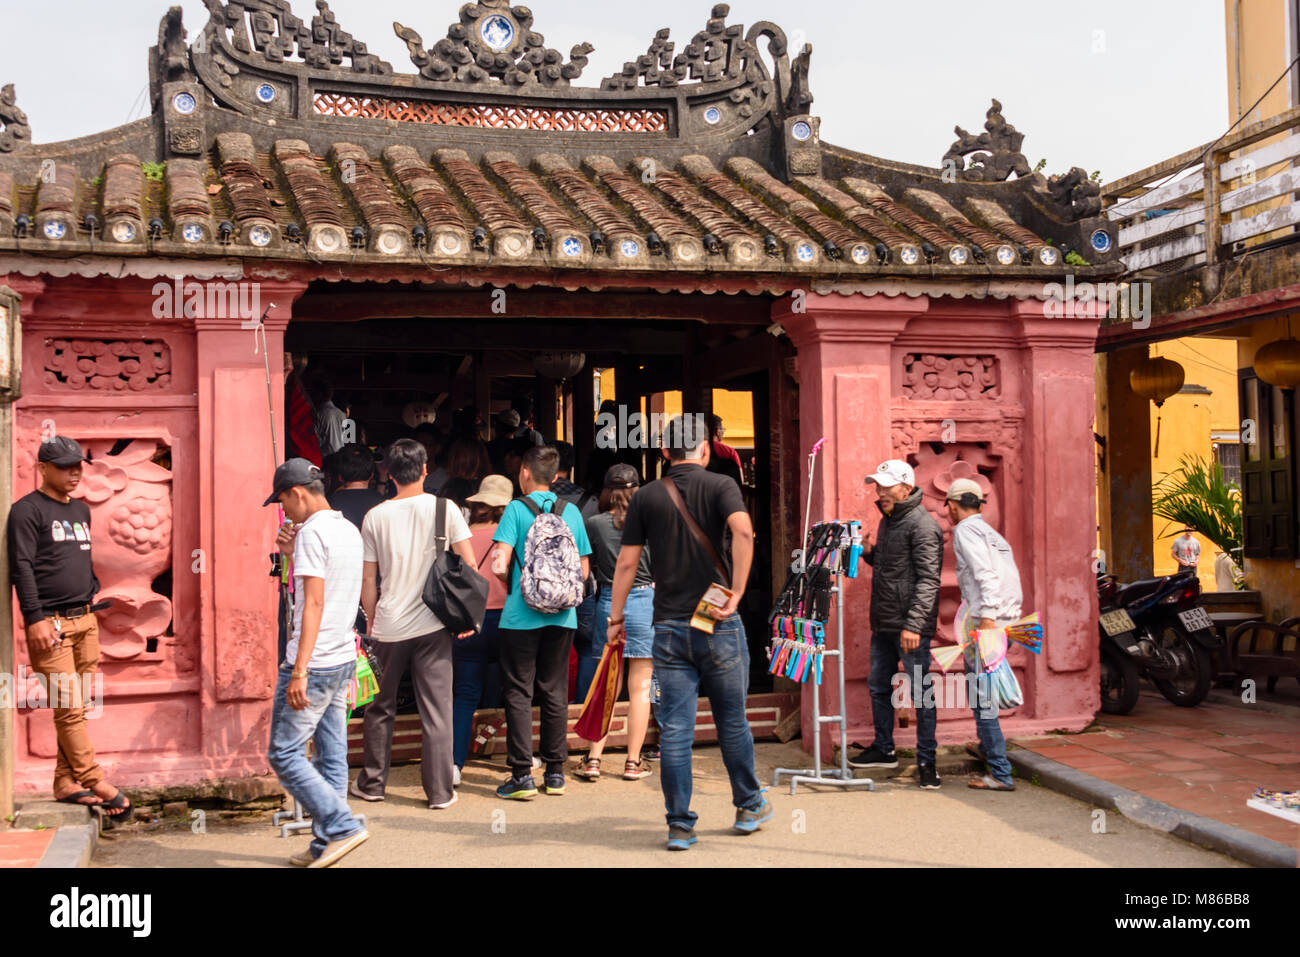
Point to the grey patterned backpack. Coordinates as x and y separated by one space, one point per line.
550 576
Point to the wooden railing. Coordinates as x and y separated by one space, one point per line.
1197 206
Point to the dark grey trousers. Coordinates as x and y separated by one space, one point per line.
429 658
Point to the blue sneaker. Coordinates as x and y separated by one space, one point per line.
553 783
518 789
747 822
681 838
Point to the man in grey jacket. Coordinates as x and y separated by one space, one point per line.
906 562
990 586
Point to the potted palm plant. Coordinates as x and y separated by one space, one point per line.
1196 495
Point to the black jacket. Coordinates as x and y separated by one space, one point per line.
906 562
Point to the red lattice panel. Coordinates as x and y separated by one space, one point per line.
492 117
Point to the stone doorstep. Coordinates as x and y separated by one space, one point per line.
1194 828
76 831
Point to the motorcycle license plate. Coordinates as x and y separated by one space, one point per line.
1117 622
1196 619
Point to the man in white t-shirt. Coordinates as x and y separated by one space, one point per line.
398 545
320 663
1186 550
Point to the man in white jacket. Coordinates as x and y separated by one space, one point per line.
990 586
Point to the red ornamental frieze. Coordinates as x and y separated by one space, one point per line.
1002 436
492 117
107 365
951 378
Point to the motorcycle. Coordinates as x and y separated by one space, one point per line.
1154 628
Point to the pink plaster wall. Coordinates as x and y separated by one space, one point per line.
196 706
1015 413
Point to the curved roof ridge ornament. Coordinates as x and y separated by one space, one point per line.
494 40
996 151
14 129
268 29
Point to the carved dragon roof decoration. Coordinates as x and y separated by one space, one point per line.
494 41
13 121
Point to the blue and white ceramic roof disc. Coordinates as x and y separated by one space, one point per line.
630 248
1101 241
193 233
184 103
802 131
497 32
266 93
260 236
571 247
713 116
55 229
909 255
1048 256
805 252
860 254
123 231
1006 256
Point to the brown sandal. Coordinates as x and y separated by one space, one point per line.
590 770
635 770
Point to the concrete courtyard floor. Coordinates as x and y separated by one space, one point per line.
615 823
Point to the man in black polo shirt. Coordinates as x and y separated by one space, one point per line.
688 659
49 548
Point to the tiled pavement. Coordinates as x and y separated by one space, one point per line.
24 848
1207 760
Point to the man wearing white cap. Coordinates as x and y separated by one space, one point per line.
990 586
906 562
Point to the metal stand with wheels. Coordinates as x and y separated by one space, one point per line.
841 777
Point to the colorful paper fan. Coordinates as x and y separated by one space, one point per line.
947 656
992 645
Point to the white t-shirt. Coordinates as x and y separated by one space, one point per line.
398 536
328 546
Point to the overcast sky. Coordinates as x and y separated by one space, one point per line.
1114 85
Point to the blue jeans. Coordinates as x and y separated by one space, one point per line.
588 645
688 661
320 785
886 651
476 682
989 730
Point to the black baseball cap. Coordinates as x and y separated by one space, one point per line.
622 476
291 474
62 452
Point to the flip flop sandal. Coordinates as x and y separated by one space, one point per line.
988 783
590 770
118 804
76 798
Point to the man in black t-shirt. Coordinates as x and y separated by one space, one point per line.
353 466
687 659
49 549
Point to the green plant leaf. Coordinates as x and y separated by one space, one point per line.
1196 495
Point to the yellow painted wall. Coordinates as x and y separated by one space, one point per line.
735 408
1258 51
1186 421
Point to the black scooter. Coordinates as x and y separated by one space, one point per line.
1154 628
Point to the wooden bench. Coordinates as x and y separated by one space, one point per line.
1260 649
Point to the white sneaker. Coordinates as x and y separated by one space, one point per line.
302 859
455 776
446 804
356 792
335 850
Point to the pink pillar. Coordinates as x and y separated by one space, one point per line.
984 389
239 599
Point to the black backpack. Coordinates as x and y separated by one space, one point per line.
455 591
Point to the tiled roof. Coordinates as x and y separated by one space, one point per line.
480 160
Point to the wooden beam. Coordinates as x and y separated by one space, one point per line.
353 305
465 337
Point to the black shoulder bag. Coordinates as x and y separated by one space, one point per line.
455 591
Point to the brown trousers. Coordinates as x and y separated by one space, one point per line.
64 666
